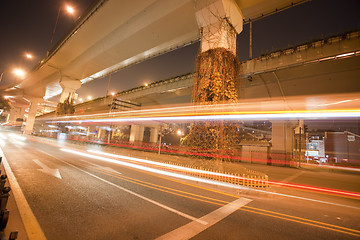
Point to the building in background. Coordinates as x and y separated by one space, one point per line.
342 147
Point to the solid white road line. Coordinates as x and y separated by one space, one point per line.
135 194
32 227
194 228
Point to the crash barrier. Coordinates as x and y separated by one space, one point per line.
251 178
4 213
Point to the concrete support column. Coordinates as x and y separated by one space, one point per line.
154 134
31 115
220 21
14 114
69 87
22 112
136 133
282 141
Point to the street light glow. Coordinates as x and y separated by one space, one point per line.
70 9
28 56
19 72
112 94
89 97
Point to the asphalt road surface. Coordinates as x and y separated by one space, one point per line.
69 193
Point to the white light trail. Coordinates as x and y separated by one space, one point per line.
345 55
17 136
149 169
224 184
266 116
160 164
3 137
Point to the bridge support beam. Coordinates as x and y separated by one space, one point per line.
136 133
154 134
69 87
31 115
220 21
282 142
15 113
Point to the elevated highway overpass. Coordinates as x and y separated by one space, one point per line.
114 34
330 66
143 29
314 68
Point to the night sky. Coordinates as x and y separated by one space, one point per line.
26 26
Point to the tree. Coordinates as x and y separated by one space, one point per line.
65 108
4 104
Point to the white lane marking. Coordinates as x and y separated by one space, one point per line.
133 193
288 179
109 169
194 228
45 169
32 226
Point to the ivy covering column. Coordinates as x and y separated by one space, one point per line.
216 69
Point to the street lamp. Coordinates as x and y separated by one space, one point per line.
19 73
28 56
68 9
89 97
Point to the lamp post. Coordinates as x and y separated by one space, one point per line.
18 71
69 10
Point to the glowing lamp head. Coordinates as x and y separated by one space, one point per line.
112 94
146 84
70 9
19 72
89 97
179 132
28 56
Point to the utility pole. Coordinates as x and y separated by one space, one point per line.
299 146
160 143
250 43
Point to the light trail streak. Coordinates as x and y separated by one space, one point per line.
148 169
3 137
191 170
196 179
17 137
229 117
